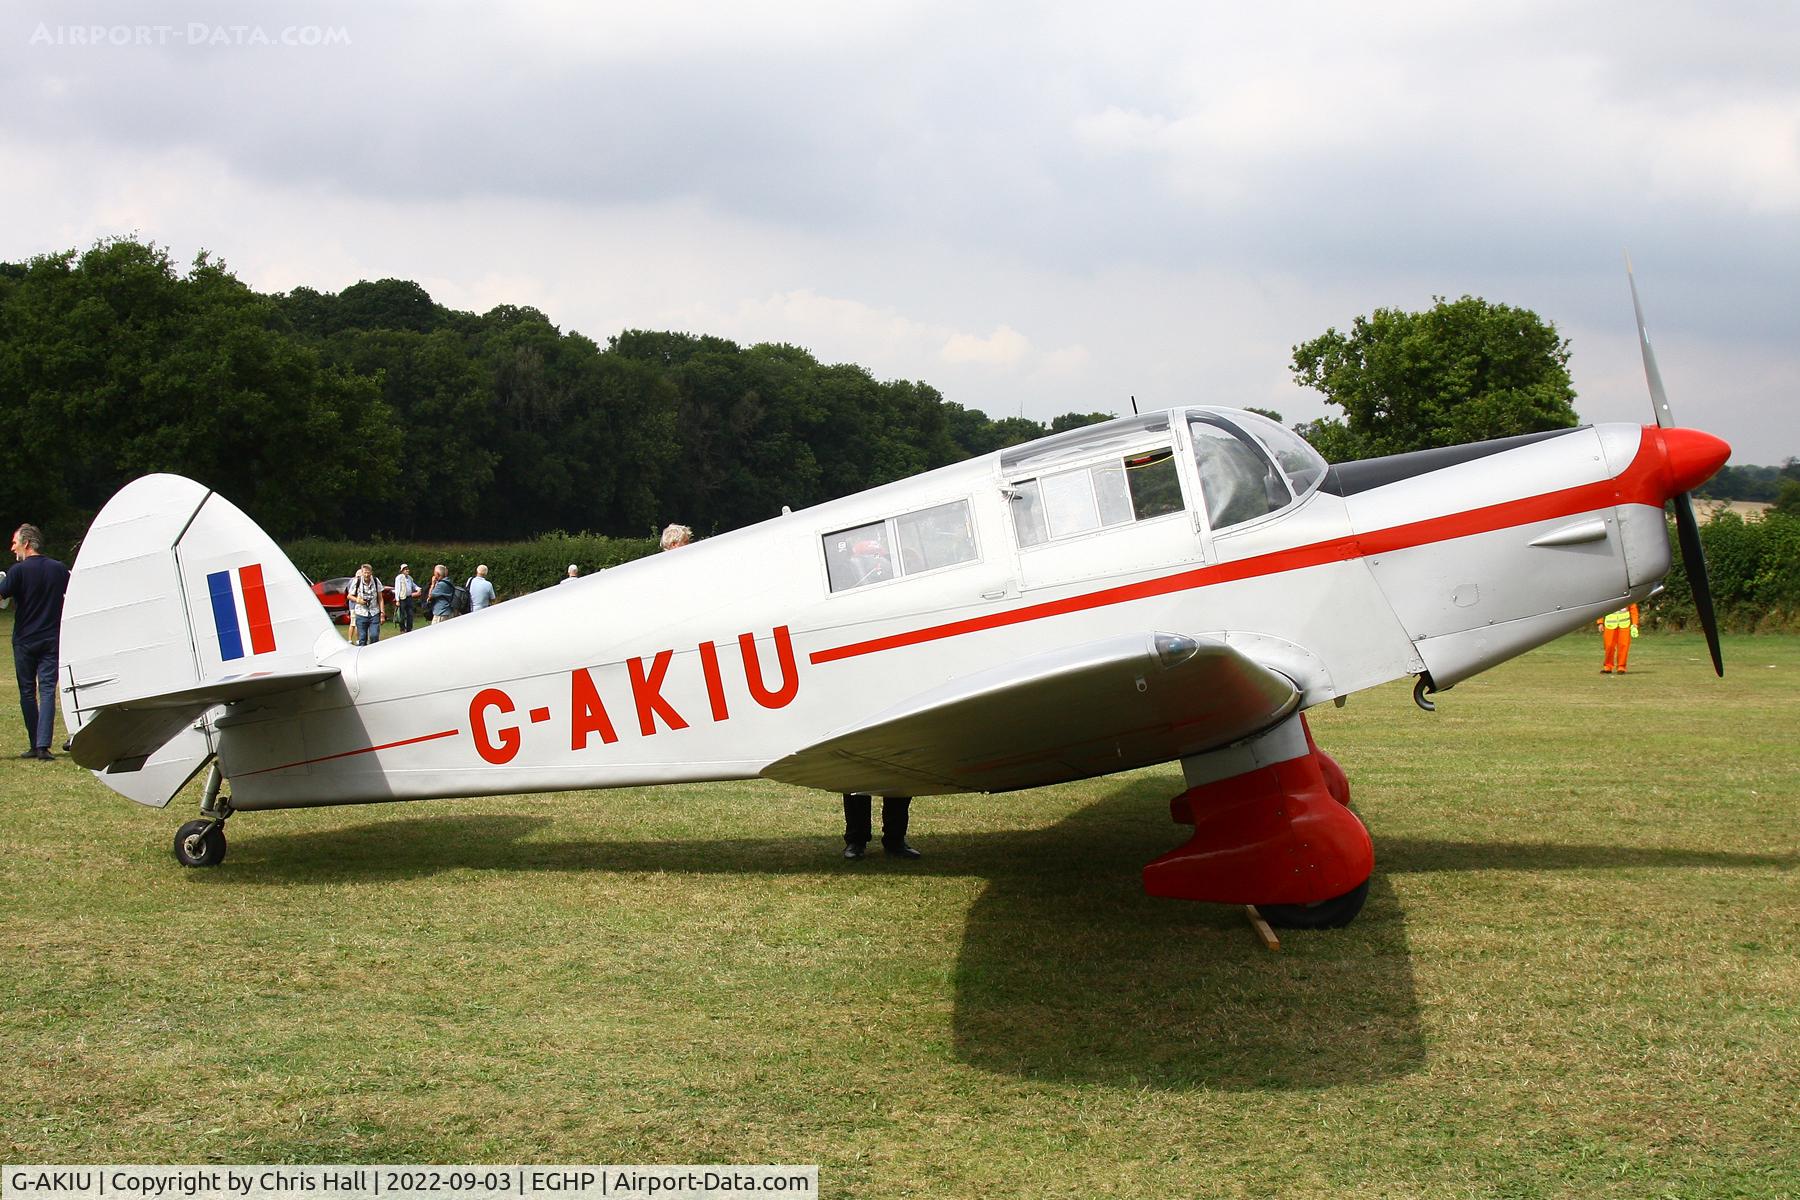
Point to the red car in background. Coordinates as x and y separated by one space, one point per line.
334 594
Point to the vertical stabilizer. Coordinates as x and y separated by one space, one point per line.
176 601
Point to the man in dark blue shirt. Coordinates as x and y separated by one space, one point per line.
38 584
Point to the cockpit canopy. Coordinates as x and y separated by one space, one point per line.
1250 466
1123 471
1137 473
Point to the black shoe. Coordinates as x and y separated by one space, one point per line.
903 850
43 754
854 849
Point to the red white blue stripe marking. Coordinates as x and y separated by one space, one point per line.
241 610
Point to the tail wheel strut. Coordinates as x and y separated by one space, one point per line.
201 843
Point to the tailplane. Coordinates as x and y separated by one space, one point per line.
177 603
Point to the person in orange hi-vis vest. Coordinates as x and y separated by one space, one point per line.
1617 629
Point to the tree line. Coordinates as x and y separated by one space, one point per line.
379 416
1779 486
376 410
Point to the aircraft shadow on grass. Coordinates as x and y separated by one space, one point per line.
1067 970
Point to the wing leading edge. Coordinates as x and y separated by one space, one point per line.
1106 706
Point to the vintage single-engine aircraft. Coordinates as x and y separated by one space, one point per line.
1181 585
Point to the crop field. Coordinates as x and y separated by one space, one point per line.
1578 973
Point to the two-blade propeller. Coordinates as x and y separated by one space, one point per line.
1686 528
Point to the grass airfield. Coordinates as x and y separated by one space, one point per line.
1578 973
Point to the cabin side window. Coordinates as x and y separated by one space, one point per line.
909 544
1062 504
859 556
1029 524
1236 478
935 537
1155 490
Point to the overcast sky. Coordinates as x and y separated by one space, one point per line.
1036 208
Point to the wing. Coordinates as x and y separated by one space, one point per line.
1076 712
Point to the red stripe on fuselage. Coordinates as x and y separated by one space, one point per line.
1637 484
307 762
1641 483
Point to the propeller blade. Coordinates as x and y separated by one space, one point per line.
1687 529
1659 399
1687 532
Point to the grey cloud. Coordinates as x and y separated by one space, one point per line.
1511 151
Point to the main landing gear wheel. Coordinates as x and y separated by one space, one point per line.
1334 913
200 843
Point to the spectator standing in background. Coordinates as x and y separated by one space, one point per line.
368 607
38 584
405 589
442 597
481 592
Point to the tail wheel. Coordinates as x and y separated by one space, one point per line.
1334 913
200 844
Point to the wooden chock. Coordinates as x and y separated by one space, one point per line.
1261 927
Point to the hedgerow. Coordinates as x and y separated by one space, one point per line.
1753 568
514 568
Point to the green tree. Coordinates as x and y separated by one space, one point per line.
126 367
376 409
1076 420
1461 371
1788 499
439 396
585 437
